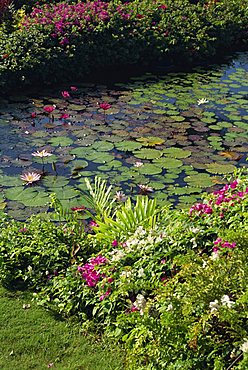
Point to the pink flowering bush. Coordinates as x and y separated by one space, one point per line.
72 39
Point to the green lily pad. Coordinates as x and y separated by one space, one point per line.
66 192
177 152
218 168
150 169
60 141
128 146
169 163
10 181
148 153
151 141
102 146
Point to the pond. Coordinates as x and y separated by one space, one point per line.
177 133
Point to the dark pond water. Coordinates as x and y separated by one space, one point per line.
185 130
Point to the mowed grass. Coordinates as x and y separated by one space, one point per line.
31 338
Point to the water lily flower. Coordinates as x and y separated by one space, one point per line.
73 88
64 116
30 177
104 106
43 153
65 94
120 196
49 108
202 101
145 189
138 164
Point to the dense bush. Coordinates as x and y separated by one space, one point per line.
82 37
31 253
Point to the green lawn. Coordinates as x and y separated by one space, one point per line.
33 339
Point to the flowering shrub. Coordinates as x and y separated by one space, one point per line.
172 289
80 37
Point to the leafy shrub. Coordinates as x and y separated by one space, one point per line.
32 253
81 37
198 319
172 290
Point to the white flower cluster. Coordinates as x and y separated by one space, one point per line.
117 254
224 301
143 239
244 347
140 303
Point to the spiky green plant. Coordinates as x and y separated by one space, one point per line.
128 217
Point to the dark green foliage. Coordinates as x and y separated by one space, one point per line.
182 31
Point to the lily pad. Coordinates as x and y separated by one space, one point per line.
128 146
177 152
151 141
148 153
218 168
60 141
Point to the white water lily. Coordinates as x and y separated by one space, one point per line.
30 177
138 164
120 196
144 189
43 153
202 101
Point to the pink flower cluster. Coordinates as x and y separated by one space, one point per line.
89 273
219 243
65 19
201 209
228 195
224 197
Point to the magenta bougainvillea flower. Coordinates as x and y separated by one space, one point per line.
115 243
220 244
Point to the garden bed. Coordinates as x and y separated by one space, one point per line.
169 286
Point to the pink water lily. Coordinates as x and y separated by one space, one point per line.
64 116
49 108
104 106
65 94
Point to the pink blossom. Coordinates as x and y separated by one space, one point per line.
64 116
49 108
115 243
104 106
73 88
65 94
105 294
33 114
